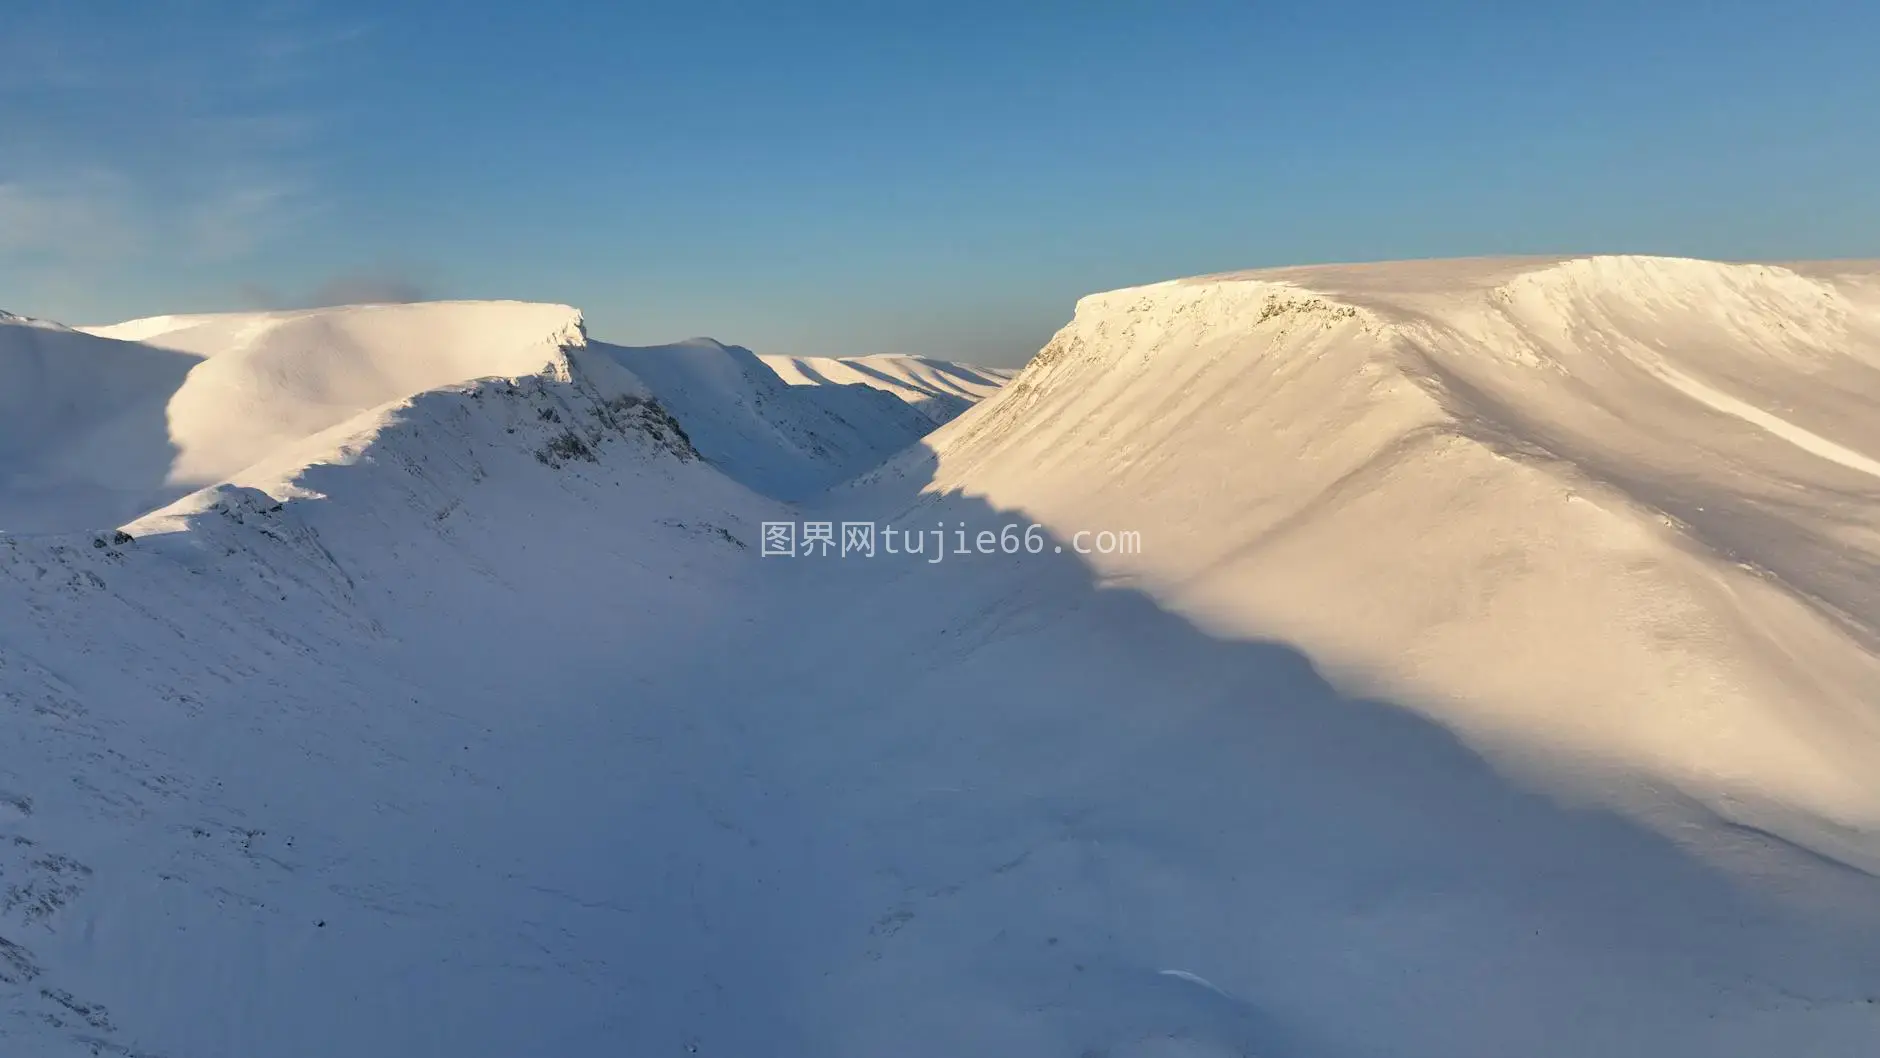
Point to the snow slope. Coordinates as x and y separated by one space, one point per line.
786 441
941 389
1611 518
1495 679
274 764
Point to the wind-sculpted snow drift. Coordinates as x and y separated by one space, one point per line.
470 722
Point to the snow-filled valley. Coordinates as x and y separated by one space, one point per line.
1499 674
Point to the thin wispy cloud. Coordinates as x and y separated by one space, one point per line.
132 144
87 217
239 219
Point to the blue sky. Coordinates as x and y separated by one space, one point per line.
946 179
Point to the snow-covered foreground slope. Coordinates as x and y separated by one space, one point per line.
1614 519
941 389
308 777
498 737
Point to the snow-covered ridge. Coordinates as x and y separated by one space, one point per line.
1611 516
211 333
572 411
271 379
106 429
28 321
116 420
940 389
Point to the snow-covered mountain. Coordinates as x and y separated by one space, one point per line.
116 420
1496 676
1615 515
234 731
104 426
941 389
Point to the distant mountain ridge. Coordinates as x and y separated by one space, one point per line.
940 389
785 441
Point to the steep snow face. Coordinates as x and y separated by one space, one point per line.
940 389
786 441
109 428
1613 519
